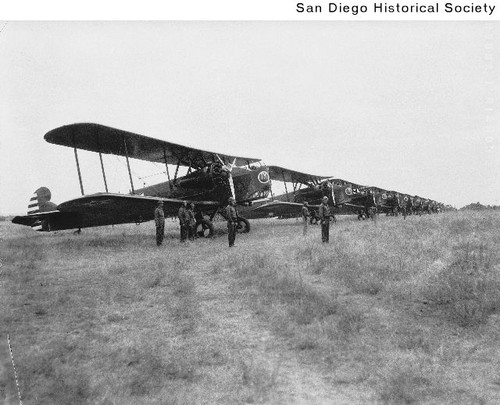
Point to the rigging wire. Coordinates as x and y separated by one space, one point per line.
139 177
1 29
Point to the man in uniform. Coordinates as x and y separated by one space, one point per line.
191 221
159 223
182 215
305 216
232 221
324 216
404 210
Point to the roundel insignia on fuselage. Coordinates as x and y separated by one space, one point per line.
348 191
406 198
263 177
384 197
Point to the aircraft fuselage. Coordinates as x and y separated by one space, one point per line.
215 183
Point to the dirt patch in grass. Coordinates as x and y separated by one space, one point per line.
467 290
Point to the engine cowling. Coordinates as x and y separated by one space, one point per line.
205 179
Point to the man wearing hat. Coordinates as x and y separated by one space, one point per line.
305 216
324 216
160 223
183 221
191 221
232 221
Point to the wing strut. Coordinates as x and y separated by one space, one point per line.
128 165
79 172
286 190
102 167
177 169
166 165
103 173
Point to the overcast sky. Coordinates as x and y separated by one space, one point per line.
407 106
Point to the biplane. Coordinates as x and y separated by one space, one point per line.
344 196
210 180
388 202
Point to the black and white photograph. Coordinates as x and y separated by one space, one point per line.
249 212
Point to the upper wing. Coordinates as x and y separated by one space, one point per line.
342 182
100 138
292 176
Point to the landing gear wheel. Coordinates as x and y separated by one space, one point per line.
243 225
205 228
314 218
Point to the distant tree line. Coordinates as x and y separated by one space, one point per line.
479 207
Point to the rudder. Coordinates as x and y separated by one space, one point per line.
40 202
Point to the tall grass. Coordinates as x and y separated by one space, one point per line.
467 290
442 268
274 284
389 312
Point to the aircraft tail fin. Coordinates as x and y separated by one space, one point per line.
40 201
40 211
38 204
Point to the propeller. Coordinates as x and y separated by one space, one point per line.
229 168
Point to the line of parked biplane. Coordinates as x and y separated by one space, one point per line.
210 180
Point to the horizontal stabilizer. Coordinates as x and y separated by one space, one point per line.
279 208
277 204
354 205
45 221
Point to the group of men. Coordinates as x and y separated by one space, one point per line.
325 216
187 221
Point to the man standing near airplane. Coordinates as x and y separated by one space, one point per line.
182 215
305 216
191 221
324 216
159 223
232 221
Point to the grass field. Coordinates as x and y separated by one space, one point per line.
394 312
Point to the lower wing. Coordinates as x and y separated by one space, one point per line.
104 209
279 208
